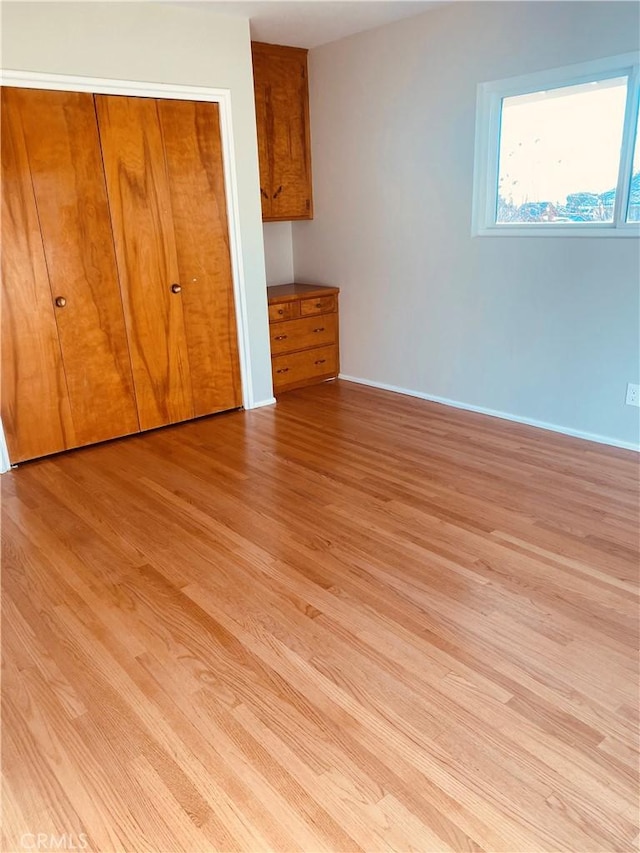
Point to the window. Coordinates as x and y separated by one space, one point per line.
558 152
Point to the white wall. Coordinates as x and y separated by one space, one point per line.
278 252
539 329
162 43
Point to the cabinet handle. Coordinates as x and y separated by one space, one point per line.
320 361
277 192
281 337
264 193
61 301
175 288
321 329
282 370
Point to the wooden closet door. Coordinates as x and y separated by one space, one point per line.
140 204
193 151
35 406
61 136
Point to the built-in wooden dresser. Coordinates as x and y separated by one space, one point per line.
303 323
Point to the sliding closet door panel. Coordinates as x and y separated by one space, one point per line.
193 149
35 405
140 204
63 146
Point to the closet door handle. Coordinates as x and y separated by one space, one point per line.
175 288
60 301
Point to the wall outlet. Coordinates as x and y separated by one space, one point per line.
633 395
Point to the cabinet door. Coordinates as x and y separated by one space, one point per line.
193 152
289 105
35 405
63 148
140 202
264 129
283 71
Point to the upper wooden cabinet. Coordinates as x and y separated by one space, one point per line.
284 142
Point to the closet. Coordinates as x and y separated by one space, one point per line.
117 297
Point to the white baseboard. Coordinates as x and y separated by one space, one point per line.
269 402
587 436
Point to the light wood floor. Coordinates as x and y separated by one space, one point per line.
353 621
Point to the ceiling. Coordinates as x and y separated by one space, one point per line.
309 23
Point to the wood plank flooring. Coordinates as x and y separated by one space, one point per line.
352 621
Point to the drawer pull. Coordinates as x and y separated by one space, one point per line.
321 329
281 337
282 370
318 304
280 310
320 361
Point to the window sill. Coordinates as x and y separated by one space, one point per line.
544 230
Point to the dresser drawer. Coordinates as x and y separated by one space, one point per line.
284 311
319 305
304 333
301 367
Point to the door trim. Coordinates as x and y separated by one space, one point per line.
222 97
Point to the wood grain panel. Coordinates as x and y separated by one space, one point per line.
306 367
352 621
278 293
284 139
264 129
140 204
35 405
290 139
193 150
318 305
68 181
303 334
284 311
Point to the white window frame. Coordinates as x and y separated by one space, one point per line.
487 148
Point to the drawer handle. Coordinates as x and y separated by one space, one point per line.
318 304
282 370
321 329
281 337
320 361
280 310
